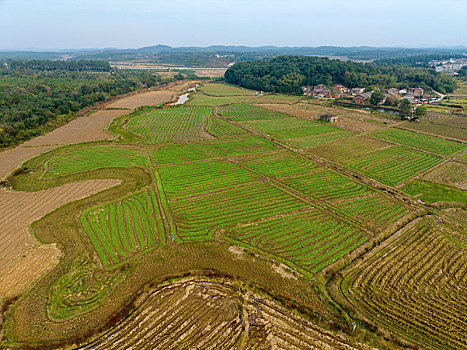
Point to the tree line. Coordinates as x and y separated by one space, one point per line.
34 100
286 74
49 65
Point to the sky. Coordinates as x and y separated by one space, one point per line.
65 24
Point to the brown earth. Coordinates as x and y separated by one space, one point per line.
31 265
20 209
202 314
10 159
150 98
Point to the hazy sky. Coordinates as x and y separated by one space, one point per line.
58 24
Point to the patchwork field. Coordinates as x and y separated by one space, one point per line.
227 217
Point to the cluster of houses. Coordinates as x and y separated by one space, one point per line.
450 67
414 95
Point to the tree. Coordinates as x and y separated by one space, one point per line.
405 109
420 111
376 98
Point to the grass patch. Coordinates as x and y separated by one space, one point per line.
430 192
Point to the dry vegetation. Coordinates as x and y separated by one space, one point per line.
20 209
203 314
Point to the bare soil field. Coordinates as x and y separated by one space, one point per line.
210 73
150 98
19 209
208 315
35 262
82 129
10 159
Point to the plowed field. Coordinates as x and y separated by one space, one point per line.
19 209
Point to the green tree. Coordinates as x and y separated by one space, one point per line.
376 98
420 111
406 109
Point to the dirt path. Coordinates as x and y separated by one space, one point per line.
18 210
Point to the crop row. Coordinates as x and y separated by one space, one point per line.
174 153
394 165
171 125
242 111
423 142
92 158
292 127
278 165
309 239
450 173
198 315
191 179
220 128
374 209
415 284
327 185
124 228
198 218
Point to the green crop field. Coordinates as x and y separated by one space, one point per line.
122 229
177 124
278 164
375 209
394 165
241 112
423 142
219 128
92 158
309 240
175 153
327 185
192 179
199 218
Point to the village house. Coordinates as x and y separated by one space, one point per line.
363 97
340 88
393 91
417 92
357 90
331 118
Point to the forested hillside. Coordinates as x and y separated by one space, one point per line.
36 96
286 74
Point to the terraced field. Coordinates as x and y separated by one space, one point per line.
178 124
423 142
415 284
92 158
307 241
208 315
125 228
394 165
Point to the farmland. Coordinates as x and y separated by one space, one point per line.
206 225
